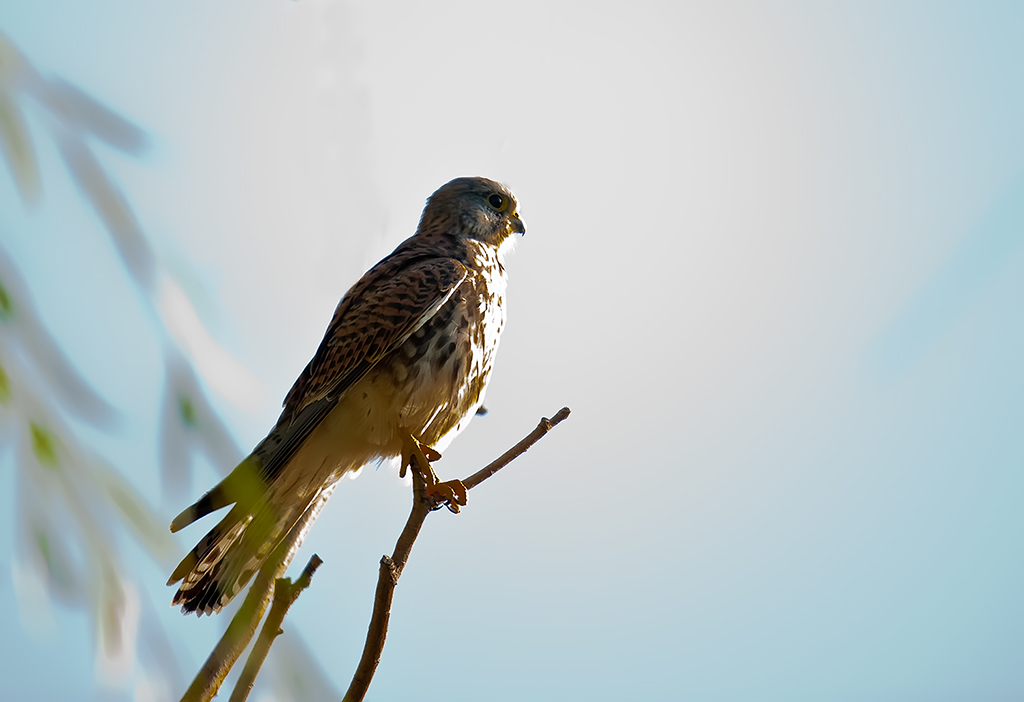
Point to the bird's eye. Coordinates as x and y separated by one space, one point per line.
498 202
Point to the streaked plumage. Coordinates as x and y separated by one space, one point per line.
409 352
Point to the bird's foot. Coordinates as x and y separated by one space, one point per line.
418 456
451 494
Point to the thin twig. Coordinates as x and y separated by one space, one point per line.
504 459
391 568
285 594
243 625
239 632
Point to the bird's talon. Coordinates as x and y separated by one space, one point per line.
452 494
423 455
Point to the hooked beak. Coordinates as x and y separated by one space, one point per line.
516 225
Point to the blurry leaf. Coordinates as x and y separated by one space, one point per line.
44 350
218 367
17 147
59 573
5 387
12 63
55 366
44 446
109 619
187 411
174 452
222 450
40 514
139 516
189 424
32 597
6 306
112 209
76 108
117 619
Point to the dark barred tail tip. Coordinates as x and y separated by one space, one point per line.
187 516
209 599
190 561
210 502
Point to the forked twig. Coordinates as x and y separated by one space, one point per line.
391 568
243 625
513 453
285 594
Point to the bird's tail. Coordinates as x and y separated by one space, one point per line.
226 558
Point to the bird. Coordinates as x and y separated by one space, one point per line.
402 369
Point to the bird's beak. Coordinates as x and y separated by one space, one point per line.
517 225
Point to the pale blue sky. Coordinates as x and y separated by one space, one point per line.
773 264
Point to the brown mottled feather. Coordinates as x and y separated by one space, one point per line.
411 334
393 304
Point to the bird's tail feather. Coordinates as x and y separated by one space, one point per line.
224 560
242 485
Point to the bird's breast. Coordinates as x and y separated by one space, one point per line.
432 385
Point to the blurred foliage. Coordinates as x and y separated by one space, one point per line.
72 508
71 505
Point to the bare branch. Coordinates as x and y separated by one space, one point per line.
243 625
285 594
390 571
504 459
269 582
391 568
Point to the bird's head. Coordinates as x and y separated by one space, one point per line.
473 208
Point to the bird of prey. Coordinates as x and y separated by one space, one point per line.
400 372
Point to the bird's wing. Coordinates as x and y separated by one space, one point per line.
373 319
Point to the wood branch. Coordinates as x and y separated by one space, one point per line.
243 625
519 449
239 632
285 594
269 583
391 568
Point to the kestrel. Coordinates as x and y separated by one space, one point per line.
400 372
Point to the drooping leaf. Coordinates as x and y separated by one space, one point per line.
116 617
16 306
67 382
59 571
6 304
44 446
190 425
43 532
5 387
113 209
81 111
187 411
16 145
138 516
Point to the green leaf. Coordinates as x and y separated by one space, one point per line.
60 572
6 304
137 514
112 207
43 544
187 410
44 445
5 387
17 147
